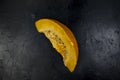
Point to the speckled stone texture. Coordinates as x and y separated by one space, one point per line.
26 54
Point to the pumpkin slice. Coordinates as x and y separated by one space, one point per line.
62 40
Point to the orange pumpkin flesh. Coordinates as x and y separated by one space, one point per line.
62 40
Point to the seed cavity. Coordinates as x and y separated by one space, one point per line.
56 41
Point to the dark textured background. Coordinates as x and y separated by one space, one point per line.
26 54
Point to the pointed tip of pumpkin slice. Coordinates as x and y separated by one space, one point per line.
62 40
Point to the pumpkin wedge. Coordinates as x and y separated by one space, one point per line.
62 40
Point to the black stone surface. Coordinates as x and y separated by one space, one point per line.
26 54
